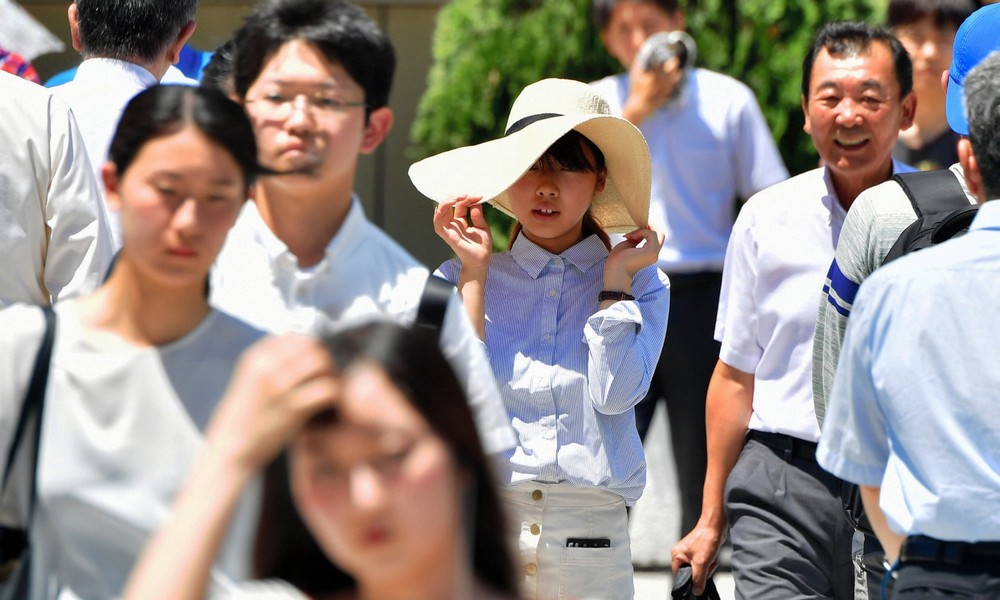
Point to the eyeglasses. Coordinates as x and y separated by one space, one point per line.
279 106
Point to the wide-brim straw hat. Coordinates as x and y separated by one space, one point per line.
542 113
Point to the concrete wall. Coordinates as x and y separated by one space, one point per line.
389 198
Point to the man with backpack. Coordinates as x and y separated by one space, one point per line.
911 414
874 225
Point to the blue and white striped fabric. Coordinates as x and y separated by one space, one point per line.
570 374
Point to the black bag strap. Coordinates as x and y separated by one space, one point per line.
433 304
31 410
932 191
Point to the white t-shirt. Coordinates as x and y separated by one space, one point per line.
98 94
121 427
54 235
364 275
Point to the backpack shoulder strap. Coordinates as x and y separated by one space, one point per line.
932 191
433 304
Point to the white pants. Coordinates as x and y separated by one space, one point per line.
555 528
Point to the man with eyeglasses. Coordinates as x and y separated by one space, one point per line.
315 76
791 537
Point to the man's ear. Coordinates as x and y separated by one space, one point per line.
973 177
182 37
806 126
74 26
109 175
379 123
908 109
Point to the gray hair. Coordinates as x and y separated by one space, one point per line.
982 109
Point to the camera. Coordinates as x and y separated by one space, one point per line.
661 47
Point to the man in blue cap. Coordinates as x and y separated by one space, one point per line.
873 225
912 414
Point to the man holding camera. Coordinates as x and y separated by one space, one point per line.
711 149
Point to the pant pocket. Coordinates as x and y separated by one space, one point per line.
592 573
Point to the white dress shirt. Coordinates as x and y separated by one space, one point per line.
778 256
365 274
54 235
98 94
570 374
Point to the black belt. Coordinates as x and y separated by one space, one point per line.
920 548
784 445
700 279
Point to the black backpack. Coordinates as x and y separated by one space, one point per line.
942 208
943 212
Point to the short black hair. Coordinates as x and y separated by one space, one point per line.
600 10
340 30
131 29
218 73
947 14
982 108
164 109
850 38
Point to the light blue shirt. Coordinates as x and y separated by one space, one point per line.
569 374
708 147
915 406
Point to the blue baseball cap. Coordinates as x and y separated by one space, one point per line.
978 36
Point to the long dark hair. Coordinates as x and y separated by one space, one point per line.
285 549
567 152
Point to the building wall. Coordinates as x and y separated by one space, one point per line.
389 198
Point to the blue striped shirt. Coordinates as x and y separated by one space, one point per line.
570 375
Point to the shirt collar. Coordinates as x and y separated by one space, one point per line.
987 217
115 72
281 258
533 259
830 199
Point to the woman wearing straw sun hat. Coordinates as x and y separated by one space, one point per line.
573 326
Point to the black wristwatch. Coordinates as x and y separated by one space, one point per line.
616 296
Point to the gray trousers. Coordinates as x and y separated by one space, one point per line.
791 538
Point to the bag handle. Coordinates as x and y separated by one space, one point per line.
32 406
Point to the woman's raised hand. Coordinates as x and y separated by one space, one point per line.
459 221
630 256
278 384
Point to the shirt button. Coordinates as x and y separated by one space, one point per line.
536 495
535 529
552 293
531 569
547 337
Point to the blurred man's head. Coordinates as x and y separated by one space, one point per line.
146 32
315 77
625 24
927 29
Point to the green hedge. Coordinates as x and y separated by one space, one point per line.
486 51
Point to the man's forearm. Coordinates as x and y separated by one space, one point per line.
727 412
891 541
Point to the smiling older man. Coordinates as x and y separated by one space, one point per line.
790 535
